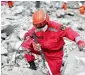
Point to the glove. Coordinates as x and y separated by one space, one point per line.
36 46
81 44
32 65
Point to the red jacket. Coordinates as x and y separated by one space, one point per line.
52 39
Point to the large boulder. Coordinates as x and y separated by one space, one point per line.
75 63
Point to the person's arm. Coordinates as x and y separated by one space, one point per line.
72 35
27 41
27 47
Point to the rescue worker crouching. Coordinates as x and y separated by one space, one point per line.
50 37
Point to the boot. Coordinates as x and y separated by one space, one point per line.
32 65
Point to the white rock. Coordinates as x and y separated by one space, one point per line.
3 59
72 66
82 73
4 48
18 45
18 10
21 34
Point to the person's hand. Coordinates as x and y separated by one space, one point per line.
81 44
27 37
36 46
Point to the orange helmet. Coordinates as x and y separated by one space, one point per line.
39 16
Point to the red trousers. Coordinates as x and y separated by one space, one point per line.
54 61
29 57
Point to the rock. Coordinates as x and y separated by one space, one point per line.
74 66
17 10
82 73
3 36
21 34
37 4
3 59
22 71
4 48
59 4
18 45
9 29
72 4
81 29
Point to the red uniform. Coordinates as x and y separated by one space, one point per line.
10 3
64 6
51 43
82 9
